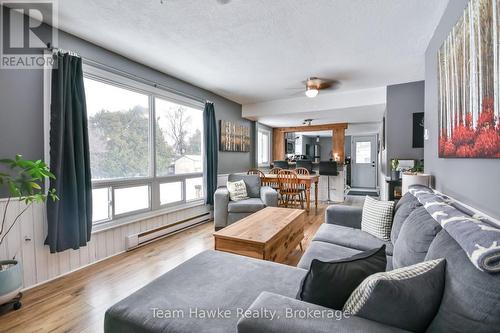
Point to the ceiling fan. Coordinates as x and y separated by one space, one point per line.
314 84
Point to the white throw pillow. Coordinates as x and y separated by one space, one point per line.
237 190
377 218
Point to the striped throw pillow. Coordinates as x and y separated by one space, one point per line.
407 297
377 218
237 190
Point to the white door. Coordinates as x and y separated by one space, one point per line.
364 161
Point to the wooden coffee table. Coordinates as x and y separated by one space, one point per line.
270 234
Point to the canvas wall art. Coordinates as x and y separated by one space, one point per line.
234 137
469 84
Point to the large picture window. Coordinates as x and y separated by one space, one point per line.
119 132
145 147
178 139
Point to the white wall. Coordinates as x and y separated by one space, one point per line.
26 242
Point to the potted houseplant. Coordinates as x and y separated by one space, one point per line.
24 182
394 170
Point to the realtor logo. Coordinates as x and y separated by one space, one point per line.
27 27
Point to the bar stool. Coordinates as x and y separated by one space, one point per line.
328 168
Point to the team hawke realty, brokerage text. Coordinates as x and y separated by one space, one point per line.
259 313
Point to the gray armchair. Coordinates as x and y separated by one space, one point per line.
227 211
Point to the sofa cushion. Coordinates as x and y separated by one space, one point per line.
416 235
407 198
349 237
324 252
330 283
328 321
209 281
252 182
407 298
377 218
471 299
251 205
404 208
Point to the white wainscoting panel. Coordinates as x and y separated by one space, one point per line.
26 240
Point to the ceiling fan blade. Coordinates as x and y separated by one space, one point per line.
332 85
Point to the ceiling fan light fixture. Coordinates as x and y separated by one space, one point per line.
311 92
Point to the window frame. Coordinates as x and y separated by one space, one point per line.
266 132
152 180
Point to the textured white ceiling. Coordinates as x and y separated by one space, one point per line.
255 50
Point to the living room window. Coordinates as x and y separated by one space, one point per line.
263 147
145 146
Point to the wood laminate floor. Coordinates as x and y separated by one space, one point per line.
77 302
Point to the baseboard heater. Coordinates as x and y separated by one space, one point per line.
145 237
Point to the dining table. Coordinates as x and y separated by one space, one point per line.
306 180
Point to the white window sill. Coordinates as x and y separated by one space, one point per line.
103 226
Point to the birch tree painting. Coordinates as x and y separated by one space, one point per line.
469 84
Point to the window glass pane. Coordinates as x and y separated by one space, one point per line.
194 188
100 204
170 192
118 131
263 147
129 199
363 152
179 135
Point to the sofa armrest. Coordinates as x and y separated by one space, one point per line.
280 314
269 196
221 201
346 216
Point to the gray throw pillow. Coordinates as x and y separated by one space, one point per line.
377 218
407 298
415 238
403 209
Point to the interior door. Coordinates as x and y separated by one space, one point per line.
364 161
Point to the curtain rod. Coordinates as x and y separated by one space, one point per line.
128 75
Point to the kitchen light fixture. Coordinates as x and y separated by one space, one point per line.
311 92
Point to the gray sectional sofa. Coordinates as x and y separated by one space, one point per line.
234 284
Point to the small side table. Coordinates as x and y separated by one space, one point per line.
395 189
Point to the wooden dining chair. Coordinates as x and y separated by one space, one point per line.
289 189
305 172
275 171
274 184
256 172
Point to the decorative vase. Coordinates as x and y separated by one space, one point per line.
11 280
395 174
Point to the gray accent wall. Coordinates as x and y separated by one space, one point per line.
402 101
347 146
473 181
326 148
21 104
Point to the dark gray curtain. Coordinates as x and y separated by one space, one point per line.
211 152
70 218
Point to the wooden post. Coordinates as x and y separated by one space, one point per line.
278 145
338 145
